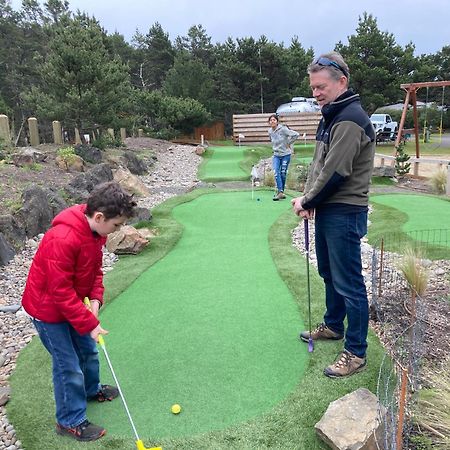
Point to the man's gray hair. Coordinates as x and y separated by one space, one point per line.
325 62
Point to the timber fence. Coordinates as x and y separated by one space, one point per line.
253 128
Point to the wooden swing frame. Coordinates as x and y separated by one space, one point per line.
411 89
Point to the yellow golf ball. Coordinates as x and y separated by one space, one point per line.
176 409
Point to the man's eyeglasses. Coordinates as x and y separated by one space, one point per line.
328 62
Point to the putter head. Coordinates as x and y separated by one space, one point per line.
310 345
140 446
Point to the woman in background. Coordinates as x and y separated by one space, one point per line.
282 138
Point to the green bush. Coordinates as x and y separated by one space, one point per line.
107 141
166 115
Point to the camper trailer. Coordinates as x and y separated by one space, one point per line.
299 105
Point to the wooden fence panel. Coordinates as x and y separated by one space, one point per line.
215 132
254 127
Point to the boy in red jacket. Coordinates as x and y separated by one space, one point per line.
67 268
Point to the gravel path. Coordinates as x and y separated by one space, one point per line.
175 172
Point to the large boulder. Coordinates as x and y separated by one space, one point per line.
75 163
134 164
131 183
6 251
383 171
40 206
80 187
88 153
352 422
140 215
27 157
12 232
127 240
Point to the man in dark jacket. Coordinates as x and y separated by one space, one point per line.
67 268
336 195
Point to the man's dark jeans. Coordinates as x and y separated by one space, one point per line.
338 249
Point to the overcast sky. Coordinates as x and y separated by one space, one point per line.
319 24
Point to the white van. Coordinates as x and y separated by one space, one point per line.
299 105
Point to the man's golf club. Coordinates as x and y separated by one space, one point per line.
254 177
310 340
101 341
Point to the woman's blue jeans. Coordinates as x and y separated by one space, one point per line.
338 250
75 369
280 166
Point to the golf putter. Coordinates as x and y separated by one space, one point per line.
310 340
101 341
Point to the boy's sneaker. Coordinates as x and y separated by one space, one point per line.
106 393
321 332
347 364
86 431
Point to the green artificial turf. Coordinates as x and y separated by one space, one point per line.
223 164
212 315
403 218
164 336
424 212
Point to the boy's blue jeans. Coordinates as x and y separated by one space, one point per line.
75 369
338 250
280 167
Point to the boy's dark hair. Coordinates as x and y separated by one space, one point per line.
111 200
275 116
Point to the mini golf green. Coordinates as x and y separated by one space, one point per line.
423 212
211 326
223 164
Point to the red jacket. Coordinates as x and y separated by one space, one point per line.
66 268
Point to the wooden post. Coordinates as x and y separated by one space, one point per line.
140 132
34 131
57 132
403 118
416 122
380 274
5 134
77 136
123 134
111 132
401 409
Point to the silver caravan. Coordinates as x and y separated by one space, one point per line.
299 105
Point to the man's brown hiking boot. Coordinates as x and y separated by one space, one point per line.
86 431
347 364
322 332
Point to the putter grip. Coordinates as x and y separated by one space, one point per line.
305 221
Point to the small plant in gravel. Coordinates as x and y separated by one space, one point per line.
438 182
13 205
415 273
67 155
432 414
36 167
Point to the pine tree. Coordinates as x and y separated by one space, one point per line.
402 166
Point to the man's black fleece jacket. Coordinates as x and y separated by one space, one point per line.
343 159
